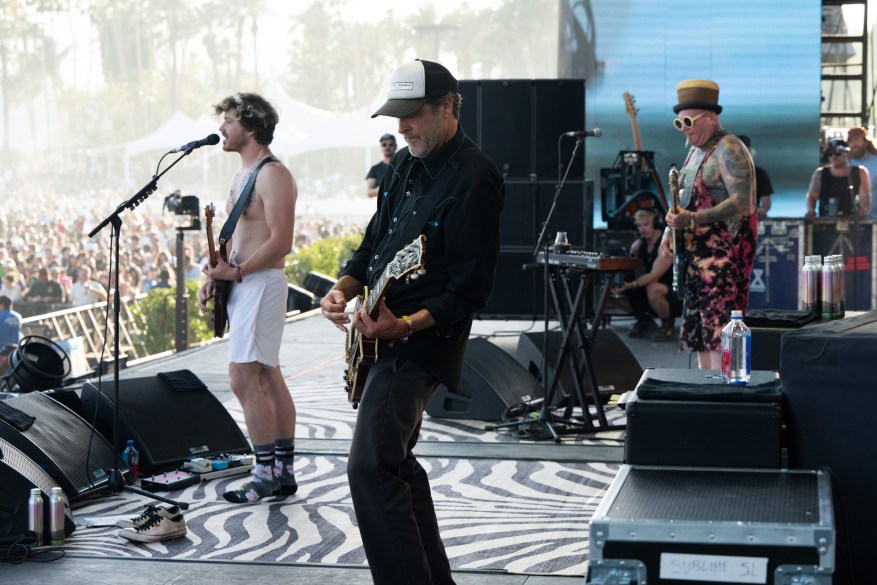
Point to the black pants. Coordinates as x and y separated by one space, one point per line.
390 490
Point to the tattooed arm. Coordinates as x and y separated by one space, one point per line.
735 172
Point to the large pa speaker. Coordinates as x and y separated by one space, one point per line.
171 417
18 475
492 381
69 449
616 368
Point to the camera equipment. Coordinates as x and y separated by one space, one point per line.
182 204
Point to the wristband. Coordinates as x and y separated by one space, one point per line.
693 223
409 329
240 277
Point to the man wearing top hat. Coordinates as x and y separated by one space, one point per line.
443 188
718 220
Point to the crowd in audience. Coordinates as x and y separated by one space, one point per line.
48 262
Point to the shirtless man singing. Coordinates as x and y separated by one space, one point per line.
257 303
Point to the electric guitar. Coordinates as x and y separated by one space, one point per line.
630 107
361 352
221 288
678 238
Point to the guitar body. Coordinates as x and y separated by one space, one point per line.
361 352
221 288
221 292
679 265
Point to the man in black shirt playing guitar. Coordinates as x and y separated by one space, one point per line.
443 188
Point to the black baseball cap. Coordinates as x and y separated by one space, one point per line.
413 84
388 137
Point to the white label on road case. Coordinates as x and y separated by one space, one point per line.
713 568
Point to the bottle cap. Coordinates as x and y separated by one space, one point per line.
130 442
736 313
35 491
56 490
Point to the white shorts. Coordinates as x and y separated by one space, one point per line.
256 316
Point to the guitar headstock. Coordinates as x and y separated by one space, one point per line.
630 104
209 213
674 177
408 262
674 187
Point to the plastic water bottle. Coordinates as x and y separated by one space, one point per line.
131 457
736 351
811 288
35 515
56 516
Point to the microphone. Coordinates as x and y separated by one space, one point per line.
210 140
596 133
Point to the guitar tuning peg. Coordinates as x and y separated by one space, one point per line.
414 276
421 271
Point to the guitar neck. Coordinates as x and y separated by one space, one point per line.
375 294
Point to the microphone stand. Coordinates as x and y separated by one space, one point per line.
116 481
545 417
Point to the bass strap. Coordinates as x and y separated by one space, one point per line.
232 221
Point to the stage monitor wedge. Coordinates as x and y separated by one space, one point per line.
70 450
171 417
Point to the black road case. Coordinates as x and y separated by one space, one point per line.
675 525
689 418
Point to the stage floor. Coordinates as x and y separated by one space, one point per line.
311 343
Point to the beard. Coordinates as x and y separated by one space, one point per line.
428 140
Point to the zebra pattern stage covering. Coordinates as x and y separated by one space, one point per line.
524 517
528 517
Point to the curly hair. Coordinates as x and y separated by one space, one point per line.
255 113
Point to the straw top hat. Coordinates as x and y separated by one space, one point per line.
697 94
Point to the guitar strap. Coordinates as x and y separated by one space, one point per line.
232 221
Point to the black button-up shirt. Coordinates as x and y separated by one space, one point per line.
461 250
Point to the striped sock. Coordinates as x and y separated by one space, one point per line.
284 459
263 484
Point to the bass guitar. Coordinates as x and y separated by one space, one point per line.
678 238
630 107
361 352
221 288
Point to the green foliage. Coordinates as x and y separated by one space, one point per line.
157 314
326 256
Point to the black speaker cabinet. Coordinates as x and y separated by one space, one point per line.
168 422
519 293
69 449
518 123
492 381
18 475
828 383
616 368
